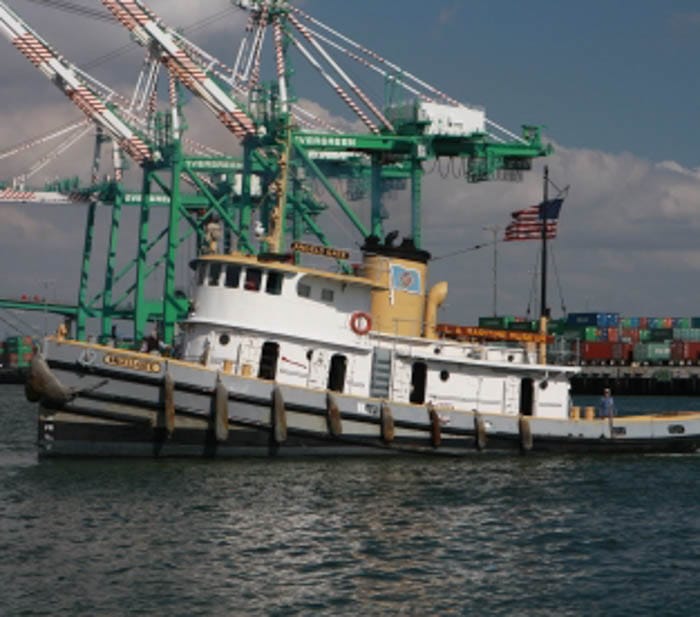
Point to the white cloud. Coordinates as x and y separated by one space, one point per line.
628 229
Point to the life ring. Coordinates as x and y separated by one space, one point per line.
361 323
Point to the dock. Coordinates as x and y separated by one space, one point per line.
638 380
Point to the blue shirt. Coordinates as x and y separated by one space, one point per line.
606 407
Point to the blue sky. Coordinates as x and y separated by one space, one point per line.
616 76
614 83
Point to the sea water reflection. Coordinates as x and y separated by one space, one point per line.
489 535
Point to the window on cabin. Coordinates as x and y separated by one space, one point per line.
274 283
268 360
327 295
201 274
214 274
233 276
253 278
304 290
336 375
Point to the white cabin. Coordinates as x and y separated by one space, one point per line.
301 326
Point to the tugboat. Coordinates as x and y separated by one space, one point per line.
280 359
277 358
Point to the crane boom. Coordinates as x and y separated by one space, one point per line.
67 78
149 31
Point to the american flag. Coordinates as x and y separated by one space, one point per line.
527 223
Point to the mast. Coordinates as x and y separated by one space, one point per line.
544 311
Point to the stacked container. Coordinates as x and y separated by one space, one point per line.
18 351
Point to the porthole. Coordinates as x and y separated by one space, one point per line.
444 375
224 339
437 351
309 354
544 384
511 357
676 429
303 290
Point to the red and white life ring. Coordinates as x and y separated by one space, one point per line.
360 322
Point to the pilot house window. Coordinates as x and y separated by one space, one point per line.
214 274
274 283
233 276
253 278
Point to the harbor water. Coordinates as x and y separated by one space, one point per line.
485 535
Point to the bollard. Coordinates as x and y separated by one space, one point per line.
575 412
590 413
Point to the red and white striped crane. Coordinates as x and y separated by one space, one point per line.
150 32
73 84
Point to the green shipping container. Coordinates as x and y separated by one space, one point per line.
591 334
652 352
659 335
500 323
523 326
556 326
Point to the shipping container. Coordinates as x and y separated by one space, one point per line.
591 333
652 353
659 335
556 326
686 334
629 335
500 323
606 352
600 320
685 352
524 326
681 322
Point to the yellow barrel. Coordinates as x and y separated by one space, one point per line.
590 413
575 412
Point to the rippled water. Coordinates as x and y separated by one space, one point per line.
492 535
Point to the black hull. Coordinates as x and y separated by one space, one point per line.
89 437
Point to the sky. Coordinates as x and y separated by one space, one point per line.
613 84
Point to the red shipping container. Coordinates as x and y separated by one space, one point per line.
606 351
630 335
643 323
613 335
685 351
599 351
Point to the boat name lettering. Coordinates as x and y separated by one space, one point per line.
135 364
324 251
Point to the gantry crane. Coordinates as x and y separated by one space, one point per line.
282 143
400 138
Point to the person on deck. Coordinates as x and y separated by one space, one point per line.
606 406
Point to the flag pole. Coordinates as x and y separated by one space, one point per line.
544 311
